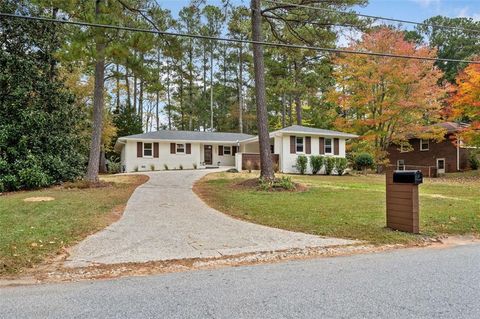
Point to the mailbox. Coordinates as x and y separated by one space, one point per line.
408 177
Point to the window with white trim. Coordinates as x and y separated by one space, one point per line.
181 148
401 165
299 144
227 150
147 149
424 145
328 146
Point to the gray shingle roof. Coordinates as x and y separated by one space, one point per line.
190 136
312 130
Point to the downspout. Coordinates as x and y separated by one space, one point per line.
458 154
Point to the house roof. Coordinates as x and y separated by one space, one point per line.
189 136
452 127
299 129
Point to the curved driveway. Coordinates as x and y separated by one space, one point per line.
165 220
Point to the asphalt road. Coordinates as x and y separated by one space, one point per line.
419 283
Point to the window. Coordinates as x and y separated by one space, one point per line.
299 144
328 146
401 165
424 145
147 150
227 150
181 148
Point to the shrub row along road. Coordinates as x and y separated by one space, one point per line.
413 283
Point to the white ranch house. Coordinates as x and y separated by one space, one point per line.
189 149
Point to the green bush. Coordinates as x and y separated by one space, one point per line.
9 182
329 165
194 165
114 167
33 177
316 162
341 165
282 183
181 166
473 160
302 163
364 161
165 166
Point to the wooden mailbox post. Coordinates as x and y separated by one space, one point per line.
402 200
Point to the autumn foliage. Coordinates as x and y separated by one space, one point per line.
386 99
466 102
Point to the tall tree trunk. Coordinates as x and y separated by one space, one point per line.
190 89
117 105
157 118
284 111
140 93
182 107
211 86
298 102
169 105
94 156
127 84
266 165
240 88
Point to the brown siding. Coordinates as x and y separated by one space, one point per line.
322 146
220 150
444 149
336 146
155 150
139 149
188 148
173 148
308 146
255 160
292 145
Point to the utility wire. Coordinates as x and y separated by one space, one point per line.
304 6
206 37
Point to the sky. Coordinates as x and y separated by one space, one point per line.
416 10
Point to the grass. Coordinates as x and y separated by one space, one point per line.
348 206
31 232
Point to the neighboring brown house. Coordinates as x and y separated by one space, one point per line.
432 157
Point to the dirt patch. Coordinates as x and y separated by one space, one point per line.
254 184
39 199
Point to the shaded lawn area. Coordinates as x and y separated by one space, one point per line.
347 206
31 232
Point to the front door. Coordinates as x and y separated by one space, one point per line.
440 166
207 154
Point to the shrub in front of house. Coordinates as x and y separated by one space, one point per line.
114 166
329 165
194 165
341 165
135 169
165 166
316 162
152 167
180 167
302 163
282 183
473 160
363 161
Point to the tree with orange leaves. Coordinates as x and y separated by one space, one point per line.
466 102
382 99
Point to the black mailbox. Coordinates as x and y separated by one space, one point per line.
408 177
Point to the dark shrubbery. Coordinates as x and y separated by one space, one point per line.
40 144
363 161
302 163
316 162
341 165
329 165
473 160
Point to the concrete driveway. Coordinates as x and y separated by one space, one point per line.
165 220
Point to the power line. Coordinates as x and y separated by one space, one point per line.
207 37
304 6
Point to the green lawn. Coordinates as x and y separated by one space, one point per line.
30 232
348 206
